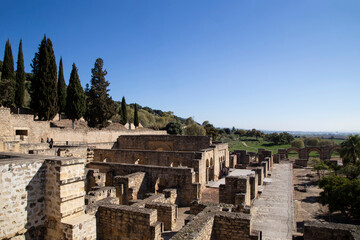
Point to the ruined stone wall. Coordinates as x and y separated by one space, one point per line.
145 157
127 223
326 230
212 223
164 143
200 228
166 213
233 226
7 133
36 130
130 187
81 227
236 190
180 178
40 195
22 205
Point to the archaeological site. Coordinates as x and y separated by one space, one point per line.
146 184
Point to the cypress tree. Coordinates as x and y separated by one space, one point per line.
100 106
7 86
61 89
75 100
136 117
123 112
20 78
44 83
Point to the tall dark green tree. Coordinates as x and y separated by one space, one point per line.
75 100
136 117
123 112
44 83
20 78
61 89
100 106
7 84
350 149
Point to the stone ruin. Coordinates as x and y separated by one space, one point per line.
131 192
134 191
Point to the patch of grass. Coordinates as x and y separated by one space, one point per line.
253 144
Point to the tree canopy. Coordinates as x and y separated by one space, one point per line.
174 128
100 106
44 83
195 130
61 88
7 84
350 149
123 112
75 101
20 78
136 116
211 131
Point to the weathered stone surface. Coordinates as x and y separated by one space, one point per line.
127 222
336 231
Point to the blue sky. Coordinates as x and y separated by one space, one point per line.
271 65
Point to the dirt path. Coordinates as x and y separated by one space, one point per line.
306 195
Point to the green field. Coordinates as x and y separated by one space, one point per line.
252 144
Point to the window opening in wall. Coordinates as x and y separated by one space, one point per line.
21 132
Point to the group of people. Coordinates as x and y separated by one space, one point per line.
224 172
50 142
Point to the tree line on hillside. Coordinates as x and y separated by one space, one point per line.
48 92
311 142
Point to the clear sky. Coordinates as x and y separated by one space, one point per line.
270 65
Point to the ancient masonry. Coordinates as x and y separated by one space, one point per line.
131 188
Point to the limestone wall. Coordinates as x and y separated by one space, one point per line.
42 197
36 130
157 177
325 231
22 205
233 226
130 187
164 143
214 224
145 157
236 190
127 223
166 213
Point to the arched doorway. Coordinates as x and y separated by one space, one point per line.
207 170
314 153
293 153
335 153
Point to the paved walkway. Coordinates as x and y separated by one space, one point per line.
273 212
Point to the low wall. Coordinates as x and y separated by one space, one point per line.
22 198
131 223
35 130
164 143
158 177
326 230
145 157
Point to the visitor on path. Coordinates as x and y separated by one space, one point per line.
51 143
